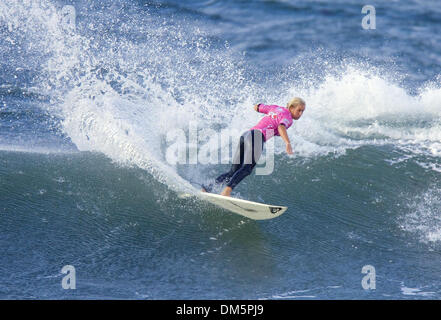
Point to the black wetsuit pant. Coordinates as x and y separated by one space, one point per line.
247 154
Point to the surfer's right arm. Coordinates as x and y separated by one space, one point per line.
262 108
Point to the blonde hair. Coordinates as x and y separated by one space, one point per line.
296 102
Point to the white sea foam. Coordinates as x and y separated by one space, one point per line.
416 292
422 216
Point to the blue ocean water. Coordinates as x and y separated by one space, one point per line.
92 93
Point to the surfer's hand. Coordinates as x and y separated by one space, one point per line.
289 148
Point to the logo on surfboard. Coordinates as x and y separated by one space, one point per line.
274 210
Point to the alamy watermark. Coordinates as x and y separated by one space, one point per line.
369 20
219 147
368 281
68 18
70 280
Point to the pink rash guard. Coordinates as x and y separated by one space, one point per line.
275 116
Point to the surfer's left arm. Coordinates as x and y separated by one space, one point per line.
282 132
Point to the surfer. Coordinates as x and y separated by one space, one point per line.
277 120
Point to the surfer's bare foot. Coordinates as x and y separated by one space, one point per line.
226 192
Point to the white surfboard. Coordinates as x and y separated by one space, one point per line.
249 209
